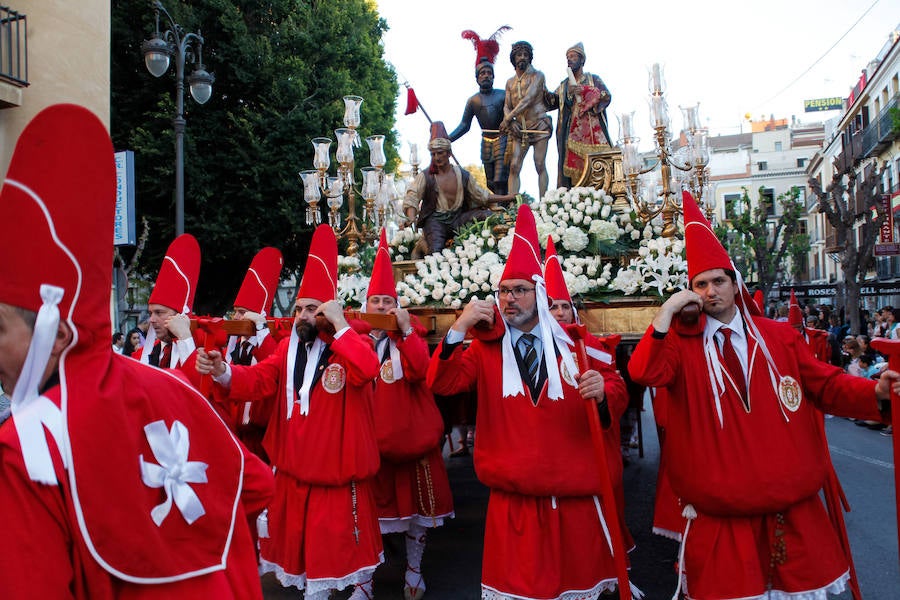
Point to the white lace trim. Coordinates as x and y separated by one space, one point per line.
286 579
314 586
400 524
672 535
835 587
607 585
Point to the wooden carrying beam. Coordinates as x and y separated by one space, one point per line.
247 327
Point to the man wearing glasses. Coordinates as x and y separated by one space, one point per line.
546 535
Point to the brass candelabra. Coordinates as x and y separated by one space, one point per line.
377 188
660 195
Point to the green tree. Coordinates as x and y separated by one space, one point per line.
849 204
759 244
281 68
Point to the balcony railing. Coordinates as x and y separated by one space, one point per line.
13 47
879 134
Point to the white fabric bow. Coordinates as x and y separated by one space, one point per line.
32 412
174 472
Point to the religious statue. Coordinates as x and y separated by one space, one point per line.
525 117
487 107
582 99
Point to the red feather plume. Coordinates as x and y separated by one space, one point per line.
485 49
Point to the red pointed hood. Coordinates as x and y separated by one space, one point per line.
524 260
59 202
382 280
553 275
320 274
63 159
760 301
258 289
795 315
176 283
704 251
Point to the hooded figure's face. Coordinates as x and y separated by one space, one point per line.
305 318
380 303
518 303
718 291
15 337
562 311
16 330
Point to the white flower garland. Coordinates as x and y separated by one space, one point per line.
581 221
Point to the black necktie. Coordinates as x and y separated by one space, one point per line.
300 365
385 343
733 364
529 356
246 352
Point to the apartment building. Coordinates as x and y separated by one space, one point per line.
863 138
51 51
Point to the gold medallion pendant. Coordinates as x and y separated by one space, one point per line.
789 393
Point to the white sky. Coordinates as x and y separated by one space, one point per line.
733 58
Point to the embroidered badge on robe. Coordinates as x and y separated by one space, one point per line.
333 378
790 393
387 371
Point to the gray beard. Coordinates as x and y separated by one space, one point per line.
522 318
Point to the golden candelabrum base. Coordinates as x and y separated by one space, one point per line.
603 171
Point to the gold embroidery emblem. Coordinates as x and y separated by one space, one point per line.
387 371
790 393
333 378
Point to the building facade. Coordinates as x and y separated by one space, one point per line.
865 136
51 51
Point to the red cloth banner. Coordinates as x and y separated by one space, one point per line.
412 103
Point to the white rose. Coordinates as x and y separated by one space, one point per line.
604 212
635 234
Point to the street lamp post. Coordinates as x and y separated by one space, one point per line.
183 47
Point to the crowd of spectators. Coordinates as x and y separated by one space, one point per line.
850 351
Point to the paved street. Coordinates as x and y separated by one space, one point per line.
452 562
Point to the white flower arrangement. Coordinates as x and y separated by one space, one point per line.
660 268
590 235
352 288
403 242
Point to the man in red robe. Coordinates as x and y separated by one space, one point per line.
253 302
119 480
816 338
743 443
602 356
411 488
322 524
546 535
169 343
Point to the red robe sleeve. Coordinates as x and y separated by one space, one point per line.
414 357
457 373
36 539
